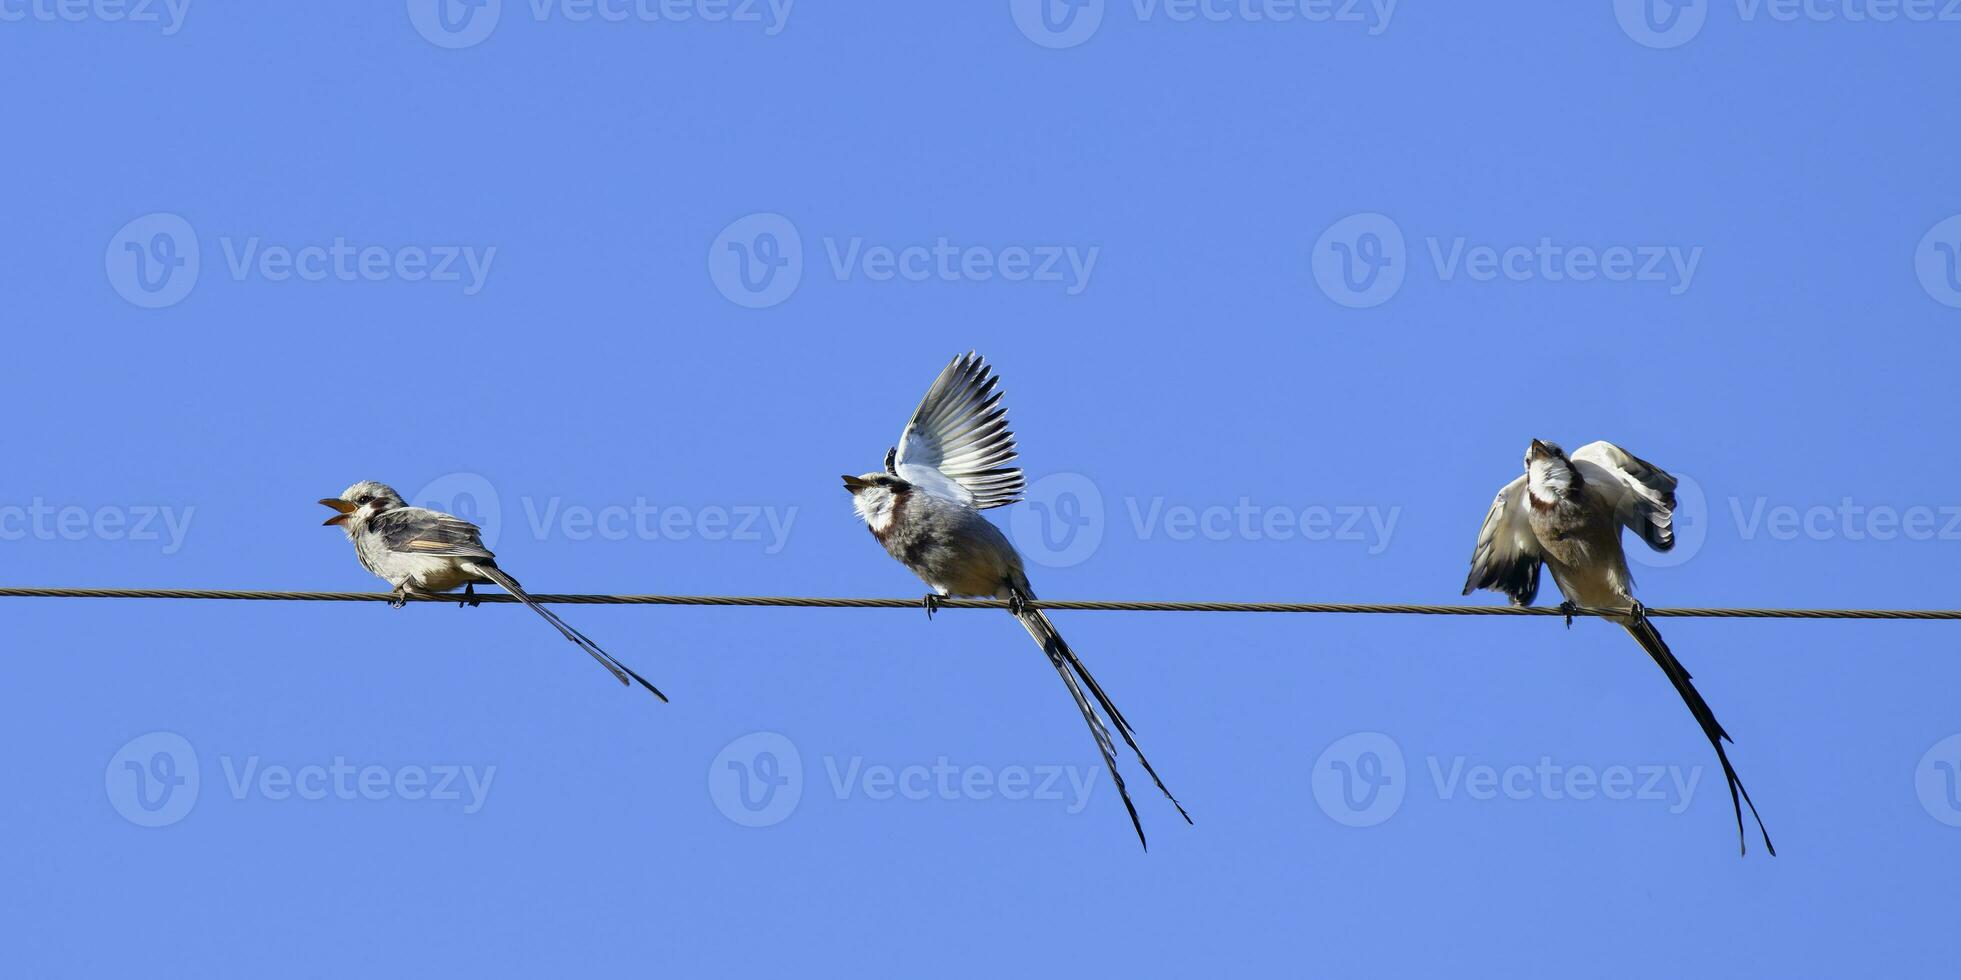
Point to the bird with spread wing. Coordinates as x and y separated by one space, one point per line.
1566 513
951 463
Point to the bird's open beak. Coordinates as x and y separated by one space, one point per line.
855 485
346 510
1539 448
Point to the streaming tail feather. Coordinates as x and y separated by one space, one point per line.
1077 677
619 670
1644 633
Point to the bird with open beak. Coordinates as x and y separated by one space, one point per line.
1567 513
422 552
925 508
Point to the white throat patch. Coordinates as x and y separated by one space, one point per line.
876 506
1548 479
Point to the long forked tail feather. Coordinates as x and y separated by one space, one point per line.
1103 743
1078 678
1644 633
620 671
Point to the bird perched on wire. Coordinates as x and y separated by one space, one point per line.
421 551
1566 512
925 508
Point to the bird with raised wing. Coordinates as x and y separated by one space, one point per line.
951 463
423 552
1567 513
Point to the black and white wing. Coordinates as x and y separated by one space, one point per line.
415 531
958 445
1507 557
1643 494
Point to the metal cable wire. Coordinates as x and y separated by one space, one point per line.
1078 605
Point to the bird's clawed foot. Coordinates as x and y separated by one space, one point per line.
1638 612
469 596
932 604
400 599
1568 609
1017 603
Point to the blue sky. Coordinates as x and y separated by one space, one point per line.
1278 298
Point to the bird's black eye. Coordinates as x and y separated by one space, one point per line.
364 499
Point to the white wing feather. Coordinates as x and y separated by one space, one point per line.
1642 493
958 444
1507 557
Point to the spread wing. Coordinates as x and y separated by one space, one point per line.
415 531
1643 494
1507 557
958 444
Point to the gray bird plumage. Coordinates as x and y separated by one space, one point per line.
421 551
925 509
1567 513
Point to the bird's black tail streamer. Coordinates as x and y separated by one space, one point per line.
1644 632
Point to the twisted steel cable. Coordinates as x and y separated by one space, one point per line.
1077 605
